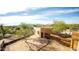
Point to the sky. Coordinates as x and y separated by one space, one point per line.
14 12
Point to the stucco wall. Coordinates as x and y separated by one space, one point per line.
36 29
46 30
75 41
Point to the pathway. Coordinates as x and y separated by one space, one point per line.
23 45
35 43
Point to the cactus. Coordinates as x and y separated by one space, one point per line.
2 31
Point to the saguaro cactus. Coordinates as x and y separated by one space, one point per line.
2 31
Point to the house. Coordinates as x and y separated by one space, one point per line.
67 31
43 32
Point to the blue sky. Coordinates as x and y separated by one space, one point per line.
40 15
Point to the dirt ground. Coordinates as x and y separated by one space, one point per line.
35 43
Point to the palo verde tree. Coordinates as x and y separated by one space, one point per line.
58 26
24 29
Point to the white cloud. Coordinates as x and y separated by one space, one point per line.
15 20
71 20
12 5
17 5
20 5
55 12
68 11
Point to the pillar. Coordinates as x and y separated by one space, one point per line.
75 41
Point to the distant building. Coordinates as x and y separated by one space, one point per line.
43 32
66 31
69 31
